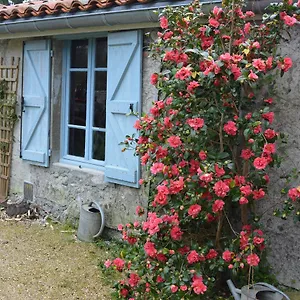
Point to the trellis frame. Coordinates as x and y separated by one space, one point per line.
8 100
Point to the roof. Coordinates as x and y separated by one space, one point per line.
52 7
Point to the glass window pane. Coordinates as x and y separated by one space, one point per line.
79 53
77 109
98 145
100 100
101 53
76 142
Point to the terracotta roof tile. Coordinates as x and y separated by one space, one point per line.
40 8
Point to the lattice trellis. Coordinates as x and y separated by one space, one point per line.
8 99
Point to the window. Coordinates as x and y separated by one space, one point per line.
85 105
102 83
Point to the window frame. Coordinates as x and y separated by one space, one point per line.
91 69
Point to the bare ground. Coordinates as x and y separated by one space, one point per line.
48 262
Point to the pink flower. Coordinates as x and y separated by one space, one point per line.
230 128
198 286
193 257
183 73
207 177
120 227
124 292
149 248
174 288
294 194
119 264
213 22
219 171
139 210
260 163
218 206
270 134
195 123
154 79
194 210
183 288
247 27
157 168
252 76
227 255
247 154
289 21
269 117
133 279
202 155
226 57
221 189
164 23
176 233
253 260
285 65
212 253
269 148
107 263
259 64
174 141
258 240
192 86
243 200
246 190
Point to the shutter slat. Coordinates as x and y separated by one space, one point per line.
36 104
124 76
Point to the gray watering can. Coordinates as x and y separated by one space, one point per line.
91 222
259 291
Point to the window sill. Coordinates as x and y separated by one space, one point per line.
80 168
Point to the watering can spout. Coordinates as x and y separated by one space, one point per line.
234 291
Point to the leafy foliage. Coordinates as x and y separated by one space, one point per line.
208 144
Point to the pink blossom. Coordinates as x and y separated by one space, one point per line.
286 64
195 123
202 155
212 253
133 279
154 79
174 288
268 116
252 76
193 257
107 263
289 21
176 233
174 141
164 23
157 168
253 260
230 128
183 73
260 163
194 210
227 255
119 263
218 206
243 200
259 64
213 22
149 248
198 286
221 189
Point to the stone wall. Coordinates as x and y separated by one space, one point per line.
61 188
284 235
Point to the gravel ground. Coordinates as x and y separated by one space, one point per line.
47 262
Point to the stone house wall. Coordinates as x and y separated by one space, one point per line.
61 188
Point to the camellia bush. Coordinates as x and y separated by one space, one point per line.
208 144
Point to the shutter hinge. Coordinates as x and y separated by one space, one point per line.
22 104
51 53
49 152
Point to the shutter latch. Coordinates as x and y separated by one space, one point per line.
131 107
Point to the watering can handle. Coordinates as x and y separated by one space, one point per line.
102 218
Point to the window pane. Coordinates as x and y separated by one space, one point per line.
77 109
79 54
101 53
76 142
98 145
100 100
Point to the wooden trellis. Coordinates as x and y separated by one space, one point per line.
8 99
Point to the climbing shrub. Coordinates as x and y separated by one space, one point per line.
208 144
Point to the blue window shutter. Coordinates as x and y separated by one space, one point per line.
36 102
124 81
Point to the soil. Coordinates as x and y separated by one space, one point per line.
48 262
